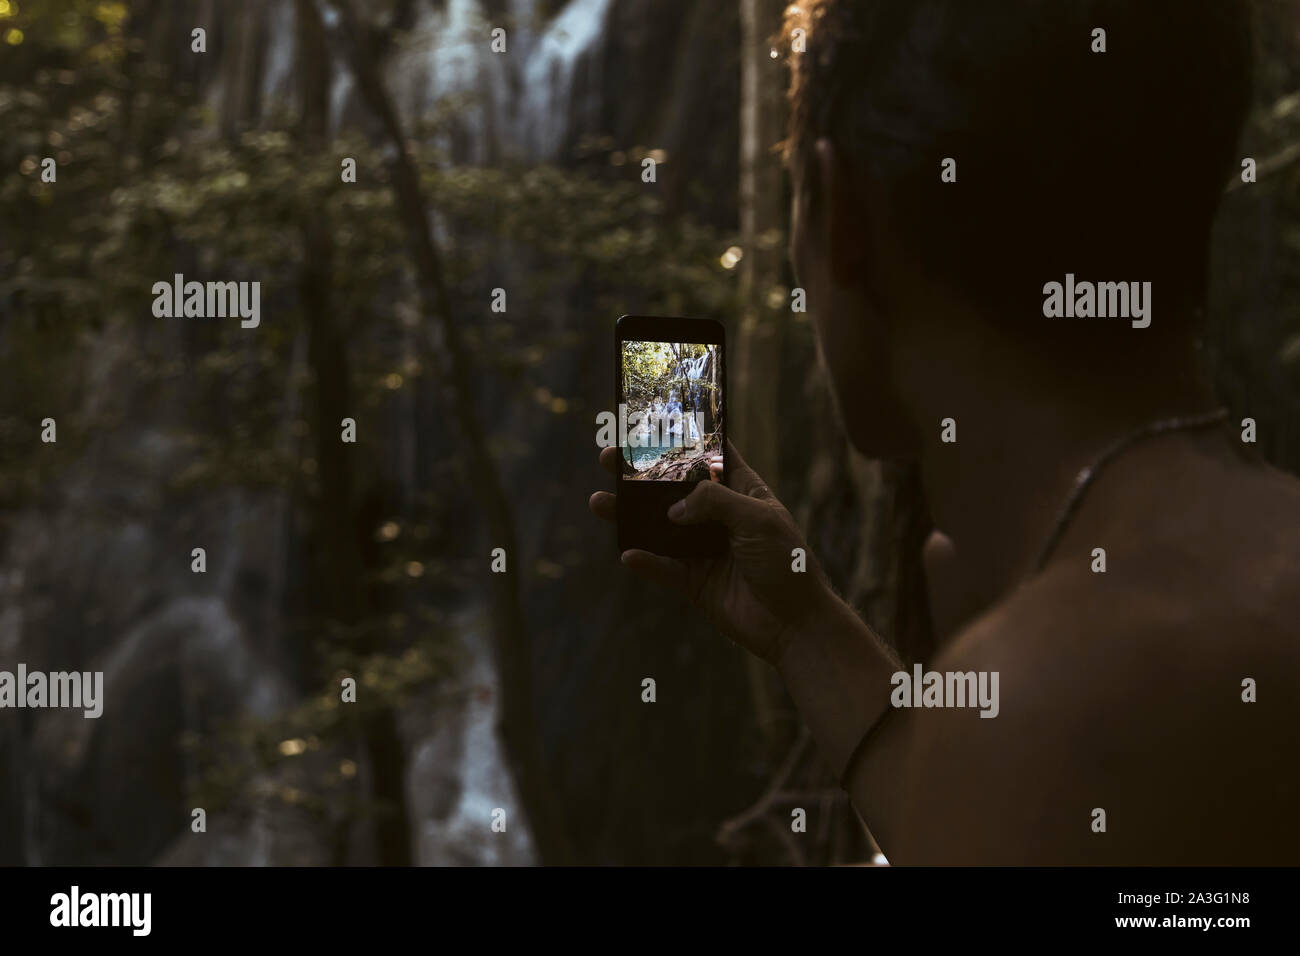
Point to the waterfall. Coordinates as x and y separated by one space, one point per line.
277 80
695 370
548 76
518 103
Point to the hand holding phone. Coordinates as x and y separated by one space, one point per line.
758 593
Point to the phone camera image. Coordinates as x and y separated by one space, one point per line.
673 399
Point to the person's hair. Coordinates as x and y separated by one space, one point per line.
1108 164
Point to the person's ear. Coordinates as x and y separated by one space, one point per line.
843 221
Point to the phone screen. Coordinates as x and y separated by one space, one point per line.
672 398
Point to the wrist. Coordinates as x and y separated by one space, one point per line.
823 610
839 675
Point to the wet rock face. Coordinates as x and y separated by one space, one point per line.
184 668
103 583
666 75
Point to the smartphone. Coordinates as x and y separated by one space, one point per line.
671 396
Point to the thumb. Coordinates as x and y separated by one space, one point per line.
743 478
714 501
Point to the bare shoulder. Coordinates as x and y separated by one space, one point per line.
1181 601
1147 711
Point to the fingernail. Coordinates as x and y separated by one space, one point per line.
677 510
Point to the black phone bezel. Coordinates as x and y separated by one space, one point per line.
642 506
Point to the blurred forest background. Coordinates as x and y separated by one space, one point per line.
476 171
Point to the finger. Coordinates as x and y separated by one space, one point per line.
602 505
609 460
715 469
712 501
938 553
948 598
743 478
666 571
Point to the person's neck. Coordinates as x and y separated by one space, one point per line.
1023 433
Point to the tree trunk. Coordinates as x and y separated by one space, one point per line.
340 564
757 358
242 67
762 328
516 725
